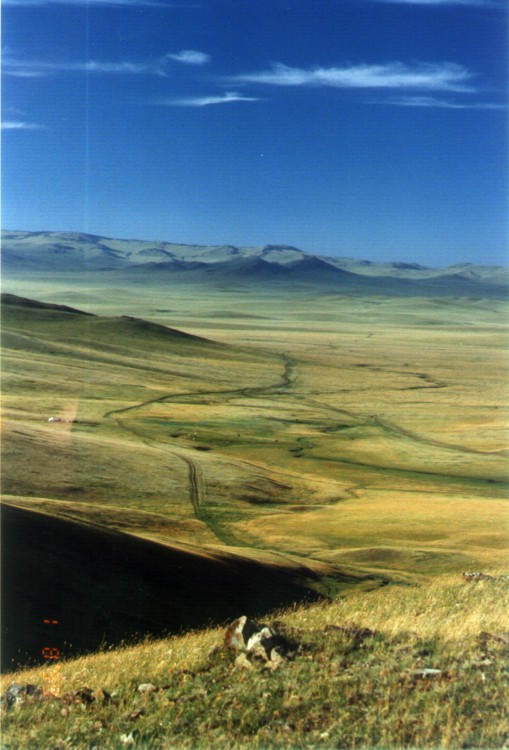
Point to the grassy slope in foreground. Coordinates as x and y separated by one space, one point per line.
338 692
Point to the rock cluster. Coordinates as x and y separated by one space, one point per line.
17 694
255 641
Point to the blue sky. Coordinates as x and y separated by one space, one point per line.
363 128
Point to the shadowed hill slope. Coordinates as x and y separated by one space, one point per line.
104 587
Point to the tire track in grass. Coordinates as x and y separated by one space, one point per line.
388 426
196 481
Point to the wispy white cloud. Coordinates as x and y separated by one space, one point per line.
37 68
204 101
20 125
444 76
23 72
190 57
431 101
102 66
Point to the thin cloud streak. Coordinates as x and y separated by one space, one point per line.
205 101
444 76
38 68
20 125
24 73
190 57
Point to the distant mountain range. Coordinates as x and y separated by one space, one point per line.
270 264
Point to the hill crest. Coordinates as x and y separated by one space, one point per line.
75 251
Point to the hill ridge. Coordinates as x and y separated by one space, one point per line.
16 300
13 302
68 251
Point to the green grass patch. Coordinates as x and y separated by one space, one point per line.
422 667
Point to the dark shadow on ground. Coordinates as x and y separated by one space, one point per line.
104 587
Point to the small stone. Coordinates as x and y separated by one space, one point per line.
15 694
146 688
85 695
33 691
276 657
136 714
426 672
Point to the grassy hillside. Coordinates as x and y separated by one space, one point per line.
319 415
401 667
339 441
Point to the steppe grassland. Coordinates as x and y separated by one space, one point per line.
336 693
391 421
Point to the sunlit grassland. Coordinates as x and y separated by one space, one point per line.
390 530
361 432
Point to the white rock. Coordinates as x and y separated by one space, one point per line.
426 672
262 640
146 688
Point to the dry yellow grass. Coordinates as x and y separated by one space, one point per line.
360 432
389 529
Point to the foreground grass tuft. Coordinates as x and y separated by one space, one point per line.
432 674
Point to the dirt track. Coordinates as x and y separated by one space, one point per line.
197 492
